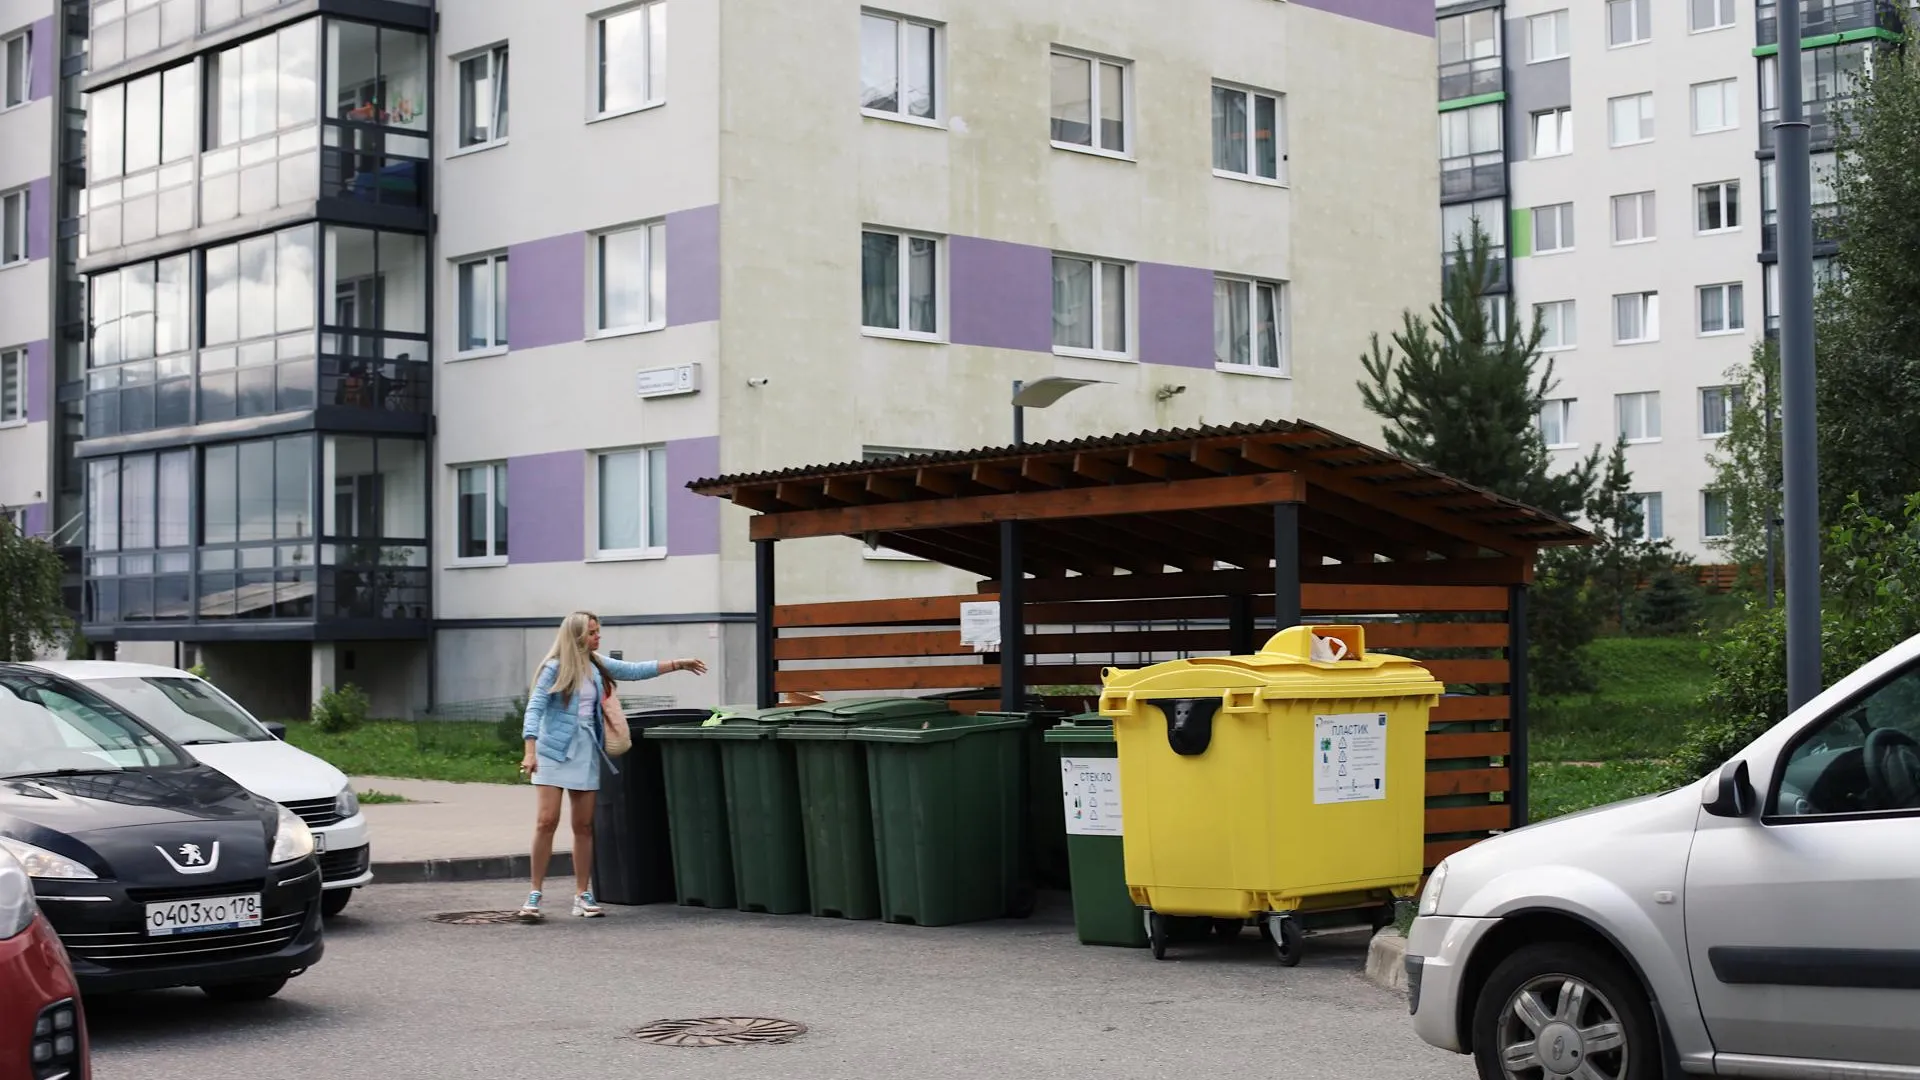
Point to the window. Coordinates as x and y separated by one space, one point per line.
13 228
1639 416
630 279
375 489
483 98
1632 119
1826 772
1470 61
1473 160
1247 327
480 512
483 304
264 85
1716 409
1716 106
1552 228
899 67
1716 207
1086 89
1549 36
1089 306
1716 516
1493 310
16 69
1710 15
887 260
631 503
871 550
1636 318
1650 506
1629 22
1558 328
630 49
1457 222
13 386
1249 135
1552 133
1633 218
1556 422
1723 308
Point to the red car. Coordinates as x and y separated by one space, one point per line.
43 1031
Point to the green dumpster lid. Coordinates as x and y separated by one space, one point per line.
939 728
675 731
1087 727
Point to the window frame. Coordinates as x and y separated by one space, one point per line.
17 358
1648 404
7 73
1729 105
1568 442
1563 309
1129 289
1251 96
1562 117
1649 317
1282 297
596 305
1128 139
938 76
16 203
1642 23
650 550
495 473
1719 6
497 57
1730 399
1707 496
1646 217
1729 202
1647 120
1562 225
495 261
1727 294
597 71
1658 500
1562 25
904 254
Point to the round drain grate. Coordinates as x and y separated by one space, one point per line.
476 918
719 1031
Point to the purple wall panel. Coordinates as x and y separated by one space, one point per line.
39 381
547 291
40 218
1413 16
693 521
546 507
693 266
1176 315
1001 294
44 43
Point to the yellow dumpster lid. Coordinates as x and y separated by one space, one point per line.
1319 660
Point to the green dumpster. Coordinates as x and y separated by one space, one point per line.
763 809
835 809
696 815
946 798
1103 909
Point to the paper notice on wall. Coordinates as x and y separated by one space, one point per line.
1090 789
1349 757
980 626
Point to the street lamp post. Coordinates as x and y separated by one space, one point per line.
1039 394
1798 465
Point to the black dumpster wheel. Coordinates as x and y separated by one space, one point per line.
1228 928
1157 934
1288 940
1386 915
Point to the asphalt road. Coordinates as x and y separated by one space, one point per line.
400 996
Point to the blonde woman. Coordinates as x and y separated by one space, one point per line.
565 744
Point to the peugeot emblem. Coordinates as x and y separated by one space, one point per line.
192 859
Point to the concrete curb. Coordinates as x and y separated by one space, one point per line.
1386 960
476 868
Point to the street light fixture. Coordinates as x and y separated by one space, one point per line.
1039 394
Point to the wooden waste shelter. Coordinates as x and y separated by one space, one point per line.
1126 550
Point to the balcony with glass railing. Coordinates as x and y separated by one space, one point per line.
126 30
1473 176
1819 18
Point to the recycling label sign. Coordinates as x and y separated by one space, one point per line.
1349 757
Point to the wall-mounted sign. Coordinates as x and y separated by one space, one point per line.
668 381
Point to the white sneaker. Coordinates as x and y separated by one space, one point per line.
530 911
584 906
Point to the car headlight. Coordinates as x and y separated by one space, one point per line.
346 804
17 905
293 840
1430 896
41 863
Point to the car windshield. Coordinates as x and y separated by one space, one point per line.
50 728
187 711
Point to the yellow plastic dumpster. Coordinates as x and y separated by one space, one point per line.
1280 786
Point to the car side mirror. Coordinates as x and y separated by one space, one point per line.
276 729
1730 795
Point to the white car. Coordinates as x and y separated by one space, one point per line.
195 714
1756 923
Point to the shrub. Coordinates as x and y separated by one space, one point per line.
340 710
1562 618
509 726
1670 604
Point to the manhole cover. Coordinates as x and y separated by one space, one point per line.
476 918
719 1031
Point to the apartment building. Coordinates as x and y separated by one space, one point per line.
410 326
1619 154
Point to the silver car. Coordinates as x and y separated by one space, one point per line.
1763 922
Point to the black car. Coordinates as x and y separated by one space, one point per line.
154 869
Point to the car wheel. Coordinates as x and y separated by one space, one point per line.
1557 1009
334 901
251 990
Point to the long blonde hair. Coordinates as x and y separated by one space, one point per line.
571 652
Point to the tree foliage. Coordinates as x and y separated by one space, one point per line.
33 614
1746 460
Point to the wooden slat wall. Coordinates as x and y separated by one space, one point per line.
1459 631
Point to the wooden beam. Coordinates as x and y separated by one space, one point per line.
939 483
1471 707
995 478
1438 850
1458 819
1475 744
1495 571
1469 672
1147 463
888 487
1213 459
932 677
1096 468
1372 517
797 495
944 548
1046 473
1127 641
759 499
864 646
843 490
1394 599
1413 635
1465 781
1028 506
902 612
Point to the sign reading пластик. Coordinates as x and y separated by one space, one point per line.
1349 757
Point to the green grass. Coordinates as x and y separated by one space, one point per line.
1592 749
429 750
1559 788
377 798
